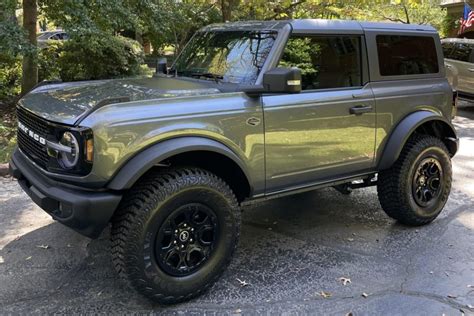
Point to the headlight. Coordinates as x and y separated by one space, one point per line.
69 159
73 153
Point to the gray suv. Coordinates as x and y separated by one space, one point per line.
248 112
459 61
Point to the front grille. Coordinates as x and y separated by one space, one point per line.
28 145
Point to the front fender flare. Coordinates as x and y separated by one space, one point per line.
137 166
405 129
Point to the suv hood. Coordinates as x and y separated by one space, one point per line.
67 103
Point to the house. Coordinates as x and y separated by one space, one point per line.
455 10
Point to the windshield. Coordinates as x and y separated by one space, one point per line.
226 56
45 35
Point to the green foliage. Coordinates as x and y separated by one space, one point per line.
10 78
96 16
298 53
89 58
13 44
7 133
181 19
12 37
48 61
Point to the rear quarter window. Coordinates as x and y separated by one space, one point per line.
401 55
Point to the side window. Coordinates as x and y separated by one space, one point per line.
325 61
448 49
406 55
462 52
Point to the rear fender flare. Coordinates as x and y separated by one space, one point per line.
405 129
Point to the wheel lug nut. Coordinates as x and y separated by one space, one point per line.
185 225
182 246
192 229
176 231
191 240
174 242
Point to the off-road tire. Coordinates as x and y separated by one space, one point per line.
395 185
147 205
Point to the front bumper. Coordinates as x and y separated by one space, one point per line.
86 211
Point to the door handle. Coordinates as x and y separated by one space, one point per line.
360 109
471 69
360 95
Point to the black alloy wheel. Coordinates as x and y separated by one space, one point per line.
427 180
187 239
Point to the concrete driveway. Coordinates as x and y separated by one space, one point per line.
293 252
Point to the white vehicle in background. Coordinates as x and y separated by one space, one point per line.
46 37
459 62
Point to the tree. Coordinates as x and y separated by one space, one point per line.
30 60
12 38
227 8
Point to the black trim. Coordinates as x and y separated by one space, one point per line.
87 212
404 130
309 187
155 154
466 96
51 132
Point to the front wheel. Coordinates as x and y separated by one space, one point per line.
415 189
175 233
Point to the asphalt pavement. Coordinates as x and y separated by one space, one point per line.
295 254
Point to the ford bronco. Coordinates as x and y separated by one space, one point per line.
249 111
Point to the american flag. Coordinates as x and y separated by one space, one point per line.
467 19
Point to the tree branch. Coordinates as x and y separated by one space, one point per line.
287 9
394 19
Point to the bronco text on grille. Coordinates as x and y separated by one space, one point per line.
32 133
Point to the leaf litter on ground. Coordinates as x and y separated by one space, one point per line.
345 281
243 283
324 294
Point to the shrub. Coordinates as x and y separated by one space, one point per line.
10 78
94 57
48 61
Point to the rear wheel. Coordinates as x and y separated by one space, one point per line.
415 189
175 233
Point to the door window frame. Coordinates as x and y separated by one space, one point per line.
363 59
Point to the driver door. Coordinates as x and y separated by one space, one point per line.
327 130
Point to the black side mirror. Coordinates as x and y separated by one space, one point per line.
162 66
278 80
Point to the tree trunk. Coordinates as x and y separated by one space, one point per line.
139 37
30 60
226 9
